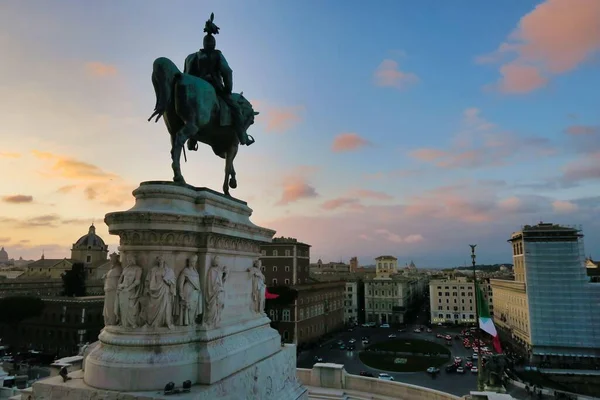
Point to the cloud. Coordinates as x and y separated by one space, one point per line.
388 74
560 206
71 168
373 194
7 154
66 189
294 191
586 168
481 143
17 199
348 142
4 239
99 69
43 220
450 216
278 119
553 39
334 204
582 130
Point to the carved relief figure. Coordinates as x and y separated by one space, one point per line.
215 293
258 287
111 281
160 287
129 290
190 294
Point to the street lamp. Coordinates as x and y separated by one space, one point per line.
480 383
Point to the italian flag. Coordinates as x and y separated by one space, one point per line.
486 323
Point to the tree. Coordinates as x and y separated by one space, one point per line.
74 281
18 308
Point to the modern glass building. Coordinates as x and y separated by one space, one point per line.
562 303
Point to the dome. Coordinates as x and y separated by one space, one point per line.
3 255
91 240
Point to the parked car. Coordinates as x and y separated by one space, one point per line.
433 370
392 335
367 374
385 377
352 341
417 330
428 330
401 330
384 326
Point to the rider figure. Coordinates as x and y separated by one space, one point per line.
210 65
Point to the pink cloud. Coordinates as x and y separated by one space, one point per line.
348 142
582 169
373 194
17 199
278 119
99 69
340 202
388 74
295 191
564 206
583 130
555 38
395 238
7 154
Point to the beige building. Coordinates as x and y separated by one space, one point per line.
390 295
452 301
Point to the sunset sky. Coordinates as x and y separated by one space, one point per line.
410 128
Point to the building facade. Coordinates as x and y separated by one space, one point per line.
318 309
65 323
351 303
389 296
452 301
285 261
551 307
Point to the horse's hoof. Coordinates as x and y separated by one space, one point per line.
179 180
232 183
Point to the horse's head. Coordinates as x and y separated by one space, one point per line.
164 72
247 111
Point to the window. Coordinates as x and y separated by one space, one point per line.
286 335
440 294
274 281
275 253
447 293
287 281
272 314
471 316
88 258
274 268
287 253
285 316
287 269
440 308
462 293
439 300
440 315
263 252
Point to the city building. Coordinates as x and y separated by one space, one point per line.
330 268
285 261
354 264
354 293
452 301
306 309
65 324
314 310
551 306
389 296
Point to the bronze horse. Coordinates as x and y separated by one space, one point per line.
190 108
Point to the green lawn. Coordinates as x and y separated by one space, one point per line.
411 345
373 356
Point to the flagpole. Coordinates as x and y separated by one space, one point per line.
480 385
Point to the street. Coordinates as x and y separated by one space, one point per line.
453 383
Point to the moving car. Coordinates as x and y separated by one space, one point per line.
352 341
318 359
385 326
460 370
474 370
385 377
392 335
417 330
350 347
439 336
451 368
367 374
457 359
433 370
428 330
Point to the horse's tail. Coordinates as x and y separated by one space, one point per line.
164 75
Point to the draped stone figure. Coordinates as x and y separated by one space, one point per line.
129 290
258 287
215 293
161 290
111 281
190 293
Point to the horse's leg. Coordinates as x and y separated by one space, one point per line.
232 180
228 166
178 140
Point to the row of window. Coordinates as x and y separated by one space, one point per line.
461 300
449 316
455 308
383 293
286 253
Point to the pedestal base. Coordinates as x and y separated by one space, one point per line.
271 378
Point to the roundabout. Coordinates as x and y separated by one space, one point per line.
404 355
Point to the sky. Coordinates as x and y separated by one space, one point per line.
410 128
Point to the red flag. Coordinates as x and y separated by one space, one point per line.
269 296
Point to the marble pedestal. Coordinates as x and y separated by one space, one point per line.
176 222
